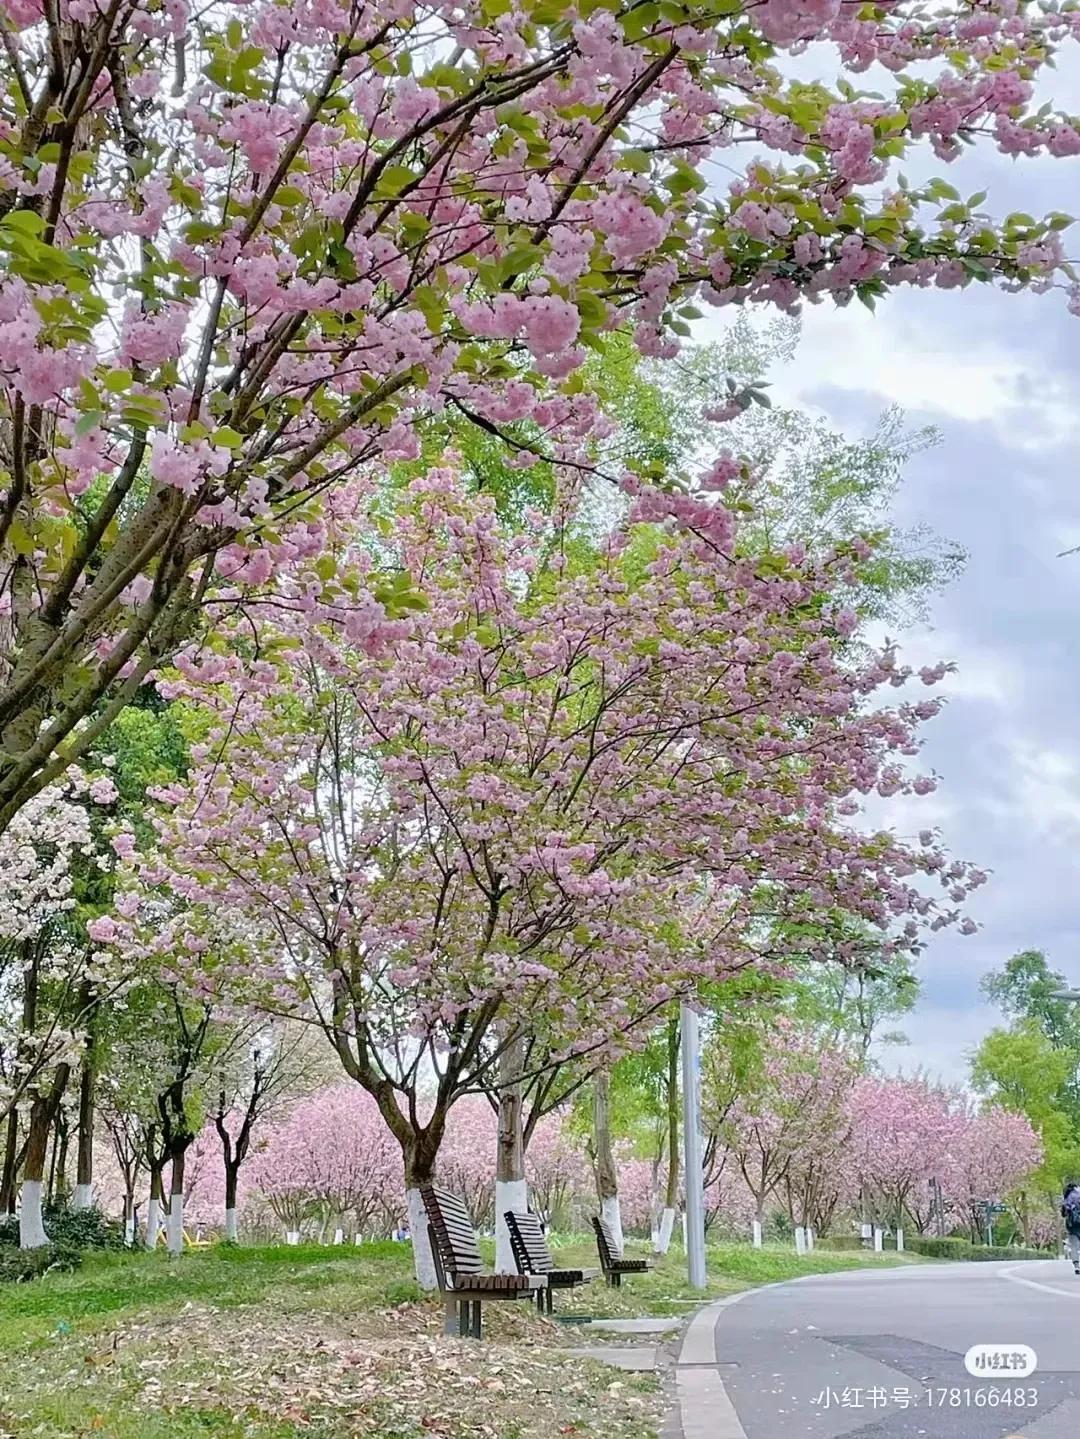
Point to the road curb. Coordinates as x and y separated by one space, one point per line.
705 1408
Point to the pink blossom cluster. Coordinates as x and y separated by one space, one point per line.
350 238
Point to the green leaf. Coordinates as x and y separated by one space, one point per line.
395 177
636 160
227 438
27 222
288 195
117 381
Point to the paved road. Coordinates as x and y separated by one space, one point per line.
879 1354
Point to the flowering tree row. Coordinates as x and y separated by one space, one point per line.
818 1139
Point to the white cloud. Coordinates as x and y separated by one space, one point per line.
1043 785
928 369
941 1041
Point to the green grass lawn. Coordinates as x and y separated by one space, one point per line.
329 1343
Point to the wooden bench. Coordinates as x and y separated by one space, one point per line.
532 1256
614 1268
462 1281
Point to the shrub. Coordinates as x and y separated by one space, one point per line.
954 1247
938 1247
82 1228
19 1265
838 1243
69 1229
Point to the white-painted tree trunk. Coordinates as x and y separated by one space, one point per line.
800 1239
292 1236
339 1236
423 1259
82 1196
878 1246
31 1225
232 1228
174 1227
809 1240
153 1223
511 1188
663 1234
611 1213
899 1241
512 1194
129 1230
757 1233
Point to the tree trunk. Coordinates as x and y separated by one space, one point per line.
58 1168
174 1225
607 1175
83 1197
10 1164
31 1225
420 1169
511 1190
153 1208
232 1176
43 1110
671 1197
129 1218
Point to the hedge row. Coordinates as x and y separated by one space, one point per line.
957 1248
953 1247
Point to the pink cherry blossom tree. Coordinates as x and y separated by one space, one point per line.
907 1136
544 803
556 1169
788 1130
637 1194
330 1161
999 1150
467 1157
251 249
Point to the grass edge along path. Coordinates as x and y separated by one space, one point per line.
315 1342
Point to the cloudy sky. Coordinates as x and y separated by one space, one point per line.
999 376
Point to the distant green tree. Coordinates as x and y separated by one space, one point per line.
1022 1070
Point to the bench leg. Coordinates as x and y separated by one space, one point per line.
452 1318
477 1321
550 1299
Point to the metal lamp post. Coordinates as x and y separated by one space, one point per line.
695 1189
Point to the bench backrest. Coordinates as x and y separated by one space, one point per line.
531 1252
605 1243
455 1238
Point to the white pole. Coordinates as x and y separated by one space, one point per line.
695 1194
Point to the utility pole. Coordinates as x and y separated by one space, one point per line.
695 1195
